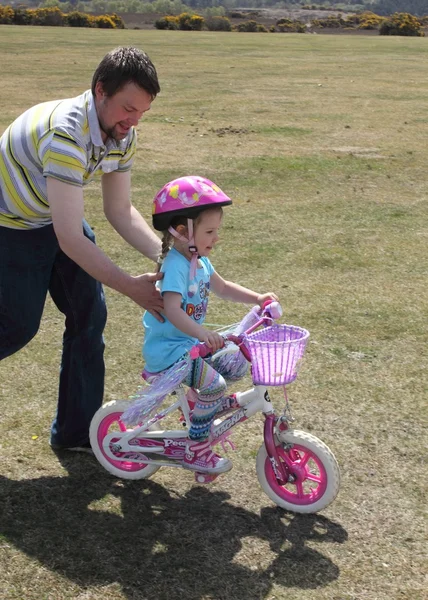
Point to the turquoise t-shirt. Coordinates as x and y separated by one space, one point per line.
164 344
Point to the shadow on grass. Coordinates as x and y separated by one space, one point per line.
157 544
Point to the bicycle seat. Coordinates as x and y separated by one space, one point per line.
150 377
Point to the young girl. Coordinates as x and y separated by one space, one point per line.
189 212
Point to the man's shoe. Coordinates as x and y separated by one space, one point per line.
85 448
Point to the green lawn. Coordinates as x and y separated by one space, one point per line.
321 142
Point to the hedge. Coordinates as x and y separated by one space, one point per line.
54 17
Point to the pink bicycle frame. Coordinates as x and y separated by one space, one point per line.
279 467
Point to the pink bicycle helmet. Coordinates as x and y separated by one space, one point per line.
185 196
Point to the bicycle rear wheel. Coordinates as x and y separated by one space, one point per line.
105 421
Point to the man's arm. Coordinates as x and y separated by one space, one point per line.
66 203
124 217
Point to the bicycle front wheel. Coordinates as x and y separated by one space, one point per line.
314 469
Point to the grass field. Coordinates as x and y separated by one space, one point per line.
321 141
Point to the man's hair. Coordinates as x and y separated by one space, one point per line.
126 65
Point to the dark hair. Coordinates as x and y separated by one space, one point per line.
126 65
162 221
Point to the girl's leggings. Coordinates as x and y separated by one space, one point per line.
207 378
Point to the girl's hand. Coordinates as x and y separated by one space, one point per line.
261 299
212 339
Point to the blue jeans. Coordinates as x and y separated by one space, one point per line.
31 264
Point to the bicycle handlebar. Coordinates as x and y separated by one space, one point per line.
203 350
270 310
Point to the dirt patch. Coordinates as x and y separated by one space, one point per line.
222 131
140 20
359 152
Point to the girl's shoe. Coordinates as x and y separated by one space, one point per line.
199 457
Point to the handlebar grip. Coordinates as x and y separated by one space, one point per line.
266 304
204 350
272 309
201 350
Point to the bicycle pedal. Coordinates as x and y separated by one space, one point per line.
205 477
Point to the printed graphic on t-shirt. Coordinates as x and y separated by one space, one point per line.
198 311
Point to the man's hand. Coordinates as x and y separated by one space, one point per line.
144 293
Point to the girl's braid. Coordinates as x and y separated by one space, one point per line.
167 242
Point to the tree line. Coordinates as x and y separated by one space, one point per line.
388 7
221 7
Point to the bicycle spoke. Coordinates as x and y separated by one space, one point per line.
294 455
300 490
304 461
312 477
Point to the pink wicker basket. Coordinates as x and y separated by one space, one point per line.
275 353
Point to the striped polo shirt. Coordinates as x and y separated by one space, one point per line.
59 139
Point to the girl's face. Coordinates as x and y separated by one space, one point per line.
206 231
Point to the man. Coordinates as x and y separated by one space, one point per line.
47 156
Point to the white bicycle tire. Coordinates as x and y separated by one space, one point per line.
99 420
322 453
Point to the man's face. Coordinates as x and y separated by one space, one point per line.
118 113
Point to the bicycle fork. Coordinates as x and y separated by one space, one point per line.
280 468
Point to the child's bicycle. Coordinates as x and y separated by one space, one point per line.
295 469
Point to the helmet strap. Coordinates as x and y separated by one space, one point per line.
191 246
